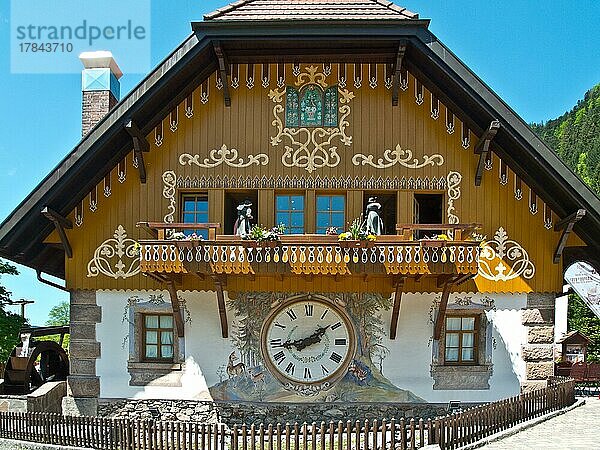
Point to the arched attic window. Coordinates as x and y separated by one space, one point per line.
311 106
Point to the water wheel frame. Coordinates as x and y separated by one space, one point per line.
41 347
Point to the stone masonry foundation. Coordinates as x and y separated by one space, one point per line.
83 386
538 353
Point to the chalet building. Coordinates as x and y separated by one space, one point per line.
426 231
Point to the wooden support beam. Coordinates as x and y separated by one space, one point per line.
397 74
221 305
396 307
439 321
222 61
140 145
179 325
566 225
483 148
60 224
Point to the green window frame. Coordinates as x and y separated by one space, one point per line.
157 337
461 339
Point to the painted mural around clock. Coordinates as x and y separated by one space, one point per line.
245 375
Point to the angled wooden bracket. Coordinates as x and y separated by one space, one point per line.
397 74
60 223
396 307
441 315
222 60
566 225
221 305
176 308
483 147
140 145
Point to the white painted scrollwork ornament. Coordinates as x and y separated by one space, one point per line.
453 179
310 148
116 257
223 155
503 259
169 183
398 155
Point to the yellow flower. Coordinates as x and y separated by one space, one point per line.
371 237
344 236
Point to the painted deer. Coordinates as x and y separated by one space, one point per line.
233 369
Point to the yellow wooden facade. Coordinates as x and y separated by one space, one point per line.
241 149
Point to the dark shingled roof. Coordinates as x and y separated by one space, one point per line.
311 10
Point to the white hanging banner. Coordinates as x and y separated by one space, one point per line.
585 281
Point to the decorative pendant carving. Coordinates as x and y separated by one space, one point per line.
169 182
310 148
223 155
116 257
454 179
511 260
401 156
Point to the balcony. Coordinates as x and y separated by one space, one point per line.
311 254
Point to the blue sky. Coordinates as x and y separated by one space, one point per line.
540 57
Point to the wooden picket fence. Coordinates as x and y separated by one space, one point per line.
449 432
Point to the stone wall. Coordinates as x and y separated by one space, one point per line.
83 386
538 353
239 412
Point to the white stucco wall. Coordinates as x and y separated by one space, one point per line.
407 366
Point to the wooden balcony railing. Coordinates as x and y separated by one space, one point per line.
308 254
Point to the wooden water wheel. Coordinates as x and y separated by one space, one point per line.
45 361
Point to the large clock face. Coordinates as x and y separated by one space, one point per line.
308 342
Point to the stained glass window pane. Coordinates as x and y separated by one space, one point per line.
331 107
291 107
151 321
297 219
311 106
323 203
283 202
337 202
297 202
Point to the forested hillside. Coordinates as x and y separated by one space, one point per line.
575 136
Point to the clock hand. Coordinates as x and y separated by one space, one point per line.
313 338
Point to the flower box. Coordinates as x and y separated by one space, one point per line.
260 244
432 243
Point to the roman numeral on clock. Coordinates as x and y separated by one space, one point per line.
278 325
307 373
324 369
335 358
290 368
308 310
324 314
279 357
292 314
337 341
277 342
336 325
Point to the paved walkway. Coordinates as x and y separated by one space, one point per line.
579 429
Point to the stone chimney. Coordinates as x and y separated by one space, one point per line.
100 86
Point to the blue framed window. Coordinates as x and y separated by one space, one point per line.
195 210
289 210
331 212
